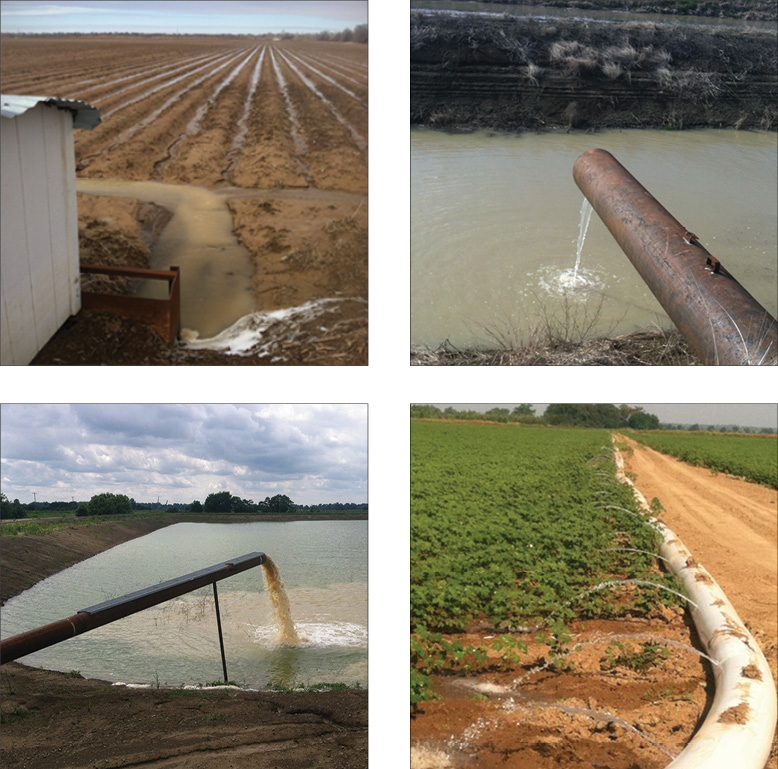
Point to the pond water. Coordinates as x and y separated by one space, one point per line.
495 223
322 563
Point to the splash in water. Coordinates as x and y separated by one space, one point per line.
278 597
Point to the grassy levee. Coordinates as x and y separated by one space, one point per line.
515 73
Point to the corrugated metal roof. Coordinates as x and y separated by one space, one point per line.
84 115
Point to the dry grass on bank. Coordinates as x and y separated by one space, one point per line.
641 348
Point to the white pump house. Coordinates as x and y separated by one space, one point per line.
39 267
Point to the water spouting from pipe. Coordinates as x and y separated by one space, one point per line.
278 597
583 226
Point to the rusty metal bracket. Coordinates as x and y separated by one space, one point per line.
721 321
164 315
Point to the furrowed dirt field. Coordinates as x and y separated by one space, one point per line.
277 129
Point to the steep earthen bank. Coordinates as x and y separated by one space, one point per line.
512 73
26 560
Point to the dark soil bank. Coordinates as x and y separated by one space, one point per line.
510 73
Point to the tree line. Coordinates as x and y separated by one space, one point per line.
218 502
604 415
570 414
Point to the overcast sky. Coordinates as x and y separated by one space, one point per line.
742 414
196 17
180 453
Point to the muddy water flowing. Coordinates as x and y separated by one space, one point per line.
495 222
280 600
216 270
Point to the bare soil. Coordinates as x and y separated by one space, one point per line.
169 115
55 720
509 720
516 720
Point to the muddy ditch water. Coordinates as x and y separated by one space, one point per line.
217 271
496 218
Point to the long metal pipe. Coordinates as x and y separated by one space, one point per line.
101 614
721 321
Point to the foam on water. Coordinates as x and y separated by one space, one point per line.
563 282
317 634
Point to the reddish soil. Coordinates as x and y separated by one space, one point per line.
55 720
316 92
517 719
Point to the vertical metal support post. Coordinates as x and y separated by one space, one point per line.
219 625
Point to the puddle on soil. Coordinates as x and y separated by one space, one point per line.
216 270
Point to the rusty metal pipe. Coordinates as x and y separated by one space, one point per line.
721 321
101 614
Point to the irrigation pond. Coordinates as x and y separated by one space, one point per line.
496 220
322 563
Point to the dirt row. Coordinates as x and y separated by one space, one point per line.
134 141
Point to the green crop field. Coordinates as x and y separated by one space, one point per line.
751 456
510 526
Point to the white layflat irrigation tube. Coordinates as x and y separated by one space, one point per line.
738 730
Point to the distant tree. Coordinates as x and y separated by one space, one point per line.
640 420
523 410
219 502
109 504
11 509
195 507
583 415
360 33
420 411
280 503
242 505
82 511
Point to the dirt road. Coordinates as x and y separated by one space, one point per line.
730 525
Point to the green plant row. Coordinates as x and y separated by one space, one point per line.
513 529
750 456
509 526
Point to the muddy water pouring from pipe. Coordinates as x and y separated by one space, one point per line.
278 597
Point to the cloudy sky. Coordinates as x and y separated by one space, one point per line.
742 414
195 17
313 454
